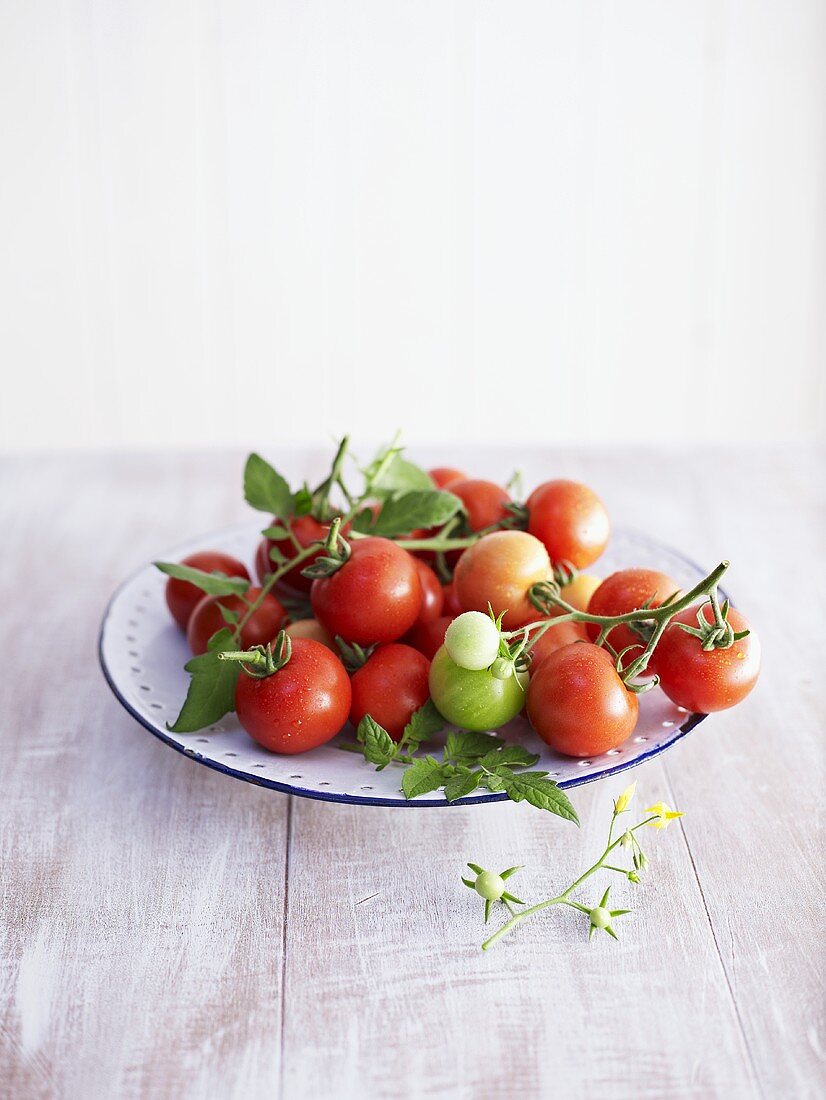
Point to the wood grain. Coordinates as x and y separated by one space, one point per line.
145 950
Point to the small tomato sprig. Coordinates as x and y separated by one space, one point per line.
600 917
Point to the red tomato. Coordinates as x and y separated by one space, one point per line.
627 591
429 638
451 606
705 682
206 619
485 502
499 569
306 530
433 596
555 638
299 707
570 520
578 704
442 476
182 597
390 686
310 628
375 596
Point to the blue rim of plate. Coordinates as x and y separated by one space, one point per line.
692 720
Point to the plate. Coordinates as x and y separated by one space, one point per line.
142 654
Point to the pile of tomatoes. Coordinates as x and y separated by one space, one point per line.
385 628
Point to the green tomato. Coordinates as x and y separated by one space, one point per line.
472 640
474 699
600 918
489 886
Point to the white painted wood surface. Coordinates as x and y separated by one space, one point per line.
169 932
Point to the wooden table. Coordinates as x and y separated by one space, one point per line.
168 932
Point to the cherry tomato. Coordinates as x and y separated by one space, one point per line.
579 592
706 681
570 520
442 476
390 686
451 606
306 530
428 638
554 638
182 597
485 502
299 707
578 704
375 596
625 591
311 628
472 640
474 700
499 569
433 597
206 619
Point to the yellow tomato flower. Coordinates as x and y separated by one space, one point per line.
624 800
665 815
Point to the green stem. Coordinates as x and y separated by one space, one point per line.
268 584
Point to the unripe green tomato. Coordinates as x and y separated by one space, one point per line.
600 918
502 668
472 640
474 699
489 886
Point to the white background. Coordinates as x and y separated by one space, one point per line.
237 222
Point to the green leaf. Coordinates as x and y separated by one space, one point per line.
276 532
419 508
511 756
424 723
536 788
461 785
422 776
467 745
494 783
265 489
211 692
214 584
379 747
229 616
401 476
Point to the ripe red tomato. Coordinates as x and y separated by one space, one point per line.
433 597
578 704
451 606
442 476
625 591
390 686
263 625
299 707
375 596
485 502
306 530
705 682
311 628
429 638
570 520
182 597
556 637
499 569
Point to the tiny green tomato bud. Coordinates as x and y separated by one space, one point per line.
489 886
472 641
633 876
502 668
600 918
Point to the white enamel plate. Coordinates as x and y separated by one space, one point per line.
142 654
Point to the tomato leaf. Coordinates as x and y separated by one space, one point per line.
214 584
423 724
401 476
211 692
466 746
422 776
265 489
461 785
377 744
536 788
509 756
402 514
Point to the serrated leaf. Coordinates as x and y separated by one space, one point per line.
265 489
211 692
401 476
214 584
461 785
422 776
493 783
424 723
378 746
536 788
400 515
467 745
511 756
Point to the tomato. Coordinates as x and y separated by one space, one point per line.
182 597
625 591
554 638
578 704
306 530
299 707
263 625
485 502
474 700
499 569
472 640
433 597
375 596
579 592
311 628
442 476
570 520
705 682
451 606
390 686
428 638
